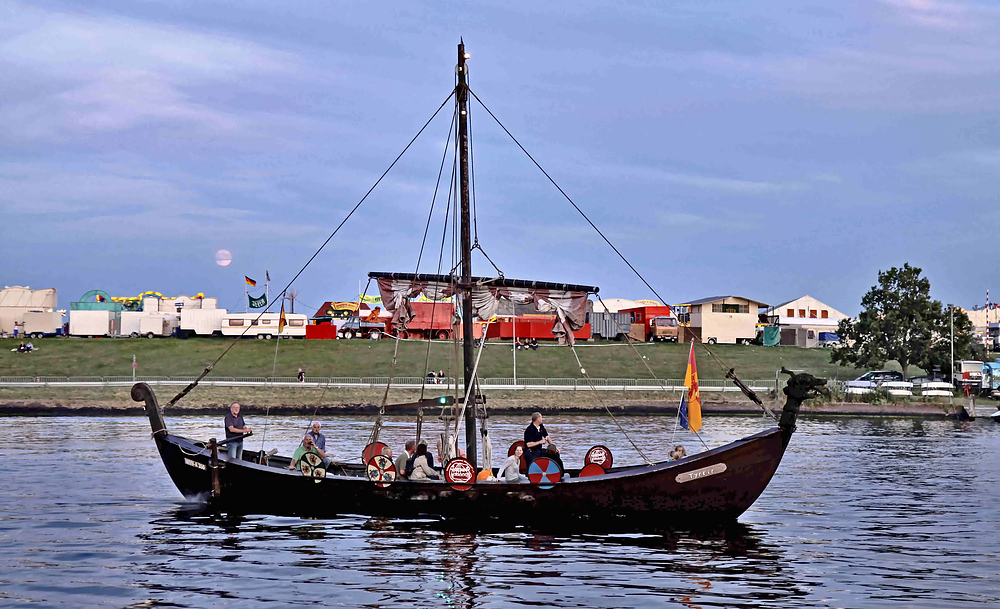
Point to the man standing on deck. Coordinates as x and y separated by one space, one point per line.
535 438
235 428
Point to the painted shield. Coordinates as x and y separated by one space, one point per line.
544 472
592 469
460 473
600 455
381 471
313 459
510 453
378 448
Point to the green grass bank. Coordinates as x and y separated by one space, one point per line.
173 357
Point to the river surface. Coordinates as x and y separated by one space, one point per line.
862 513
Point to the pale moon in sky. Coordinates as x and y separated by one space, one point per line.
223 257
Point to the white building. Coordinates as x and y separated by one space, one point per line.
17 301
803 319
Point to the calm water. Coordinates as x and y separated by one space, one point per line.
862 513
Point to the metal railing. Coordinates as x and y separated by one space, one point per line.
371 382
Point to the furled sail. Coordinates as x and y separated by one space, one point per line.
567 301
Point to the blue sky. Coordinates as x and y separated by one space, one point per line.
769 150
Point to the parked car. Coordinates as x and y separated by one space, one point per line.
873 379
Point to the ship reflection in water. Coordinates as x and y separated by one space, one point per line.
377 562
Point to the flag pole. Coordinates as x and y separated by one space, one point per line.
246 297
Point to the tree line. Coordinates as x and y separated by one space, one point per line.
899 322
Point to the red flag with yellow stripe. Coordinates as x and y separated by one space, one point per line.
691 406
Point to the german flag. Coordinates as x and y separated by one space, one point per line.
282 320
250 282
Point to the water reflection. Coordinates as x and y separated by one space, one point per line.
383 563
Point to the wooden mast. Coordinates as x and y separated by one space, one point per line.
467 325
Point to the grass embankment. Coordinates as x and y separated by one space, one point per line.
179 358
323 358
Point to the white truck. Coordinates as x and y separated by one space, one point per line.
968 373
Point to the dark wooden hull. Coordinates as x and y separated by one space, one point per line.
694 492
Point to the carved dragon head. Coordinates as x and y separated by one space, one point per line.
803 386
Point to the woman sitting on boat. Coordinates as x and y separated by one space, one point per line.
510 471
421 470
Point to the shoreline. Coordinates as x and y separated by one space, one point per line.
40 408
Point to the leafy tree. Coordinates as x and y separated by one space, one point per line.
900 322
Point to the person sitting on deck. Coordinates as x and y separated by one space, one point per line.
408 449
553 453
510 471
677 453
421 469
307 446
319 440
413 457
535 436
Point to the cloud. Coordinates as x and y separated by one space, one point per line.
120 199
694 180
74 76
934 14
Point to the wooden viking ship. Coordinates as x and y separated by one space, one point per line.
708 488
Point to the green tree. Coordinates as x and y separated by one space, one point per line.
900 322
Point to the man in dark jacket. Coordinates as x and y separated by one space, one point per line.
535 438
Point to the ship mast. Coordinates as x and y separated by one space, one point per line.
468 354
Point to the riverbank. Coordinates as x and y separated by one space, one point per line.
104 357
115 401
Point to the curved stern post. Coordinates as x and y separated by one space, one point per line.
141 392
799 388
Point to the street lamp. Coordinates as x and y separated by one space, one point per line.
951 323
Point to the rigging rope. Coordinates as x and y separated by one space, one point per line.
590 382
567 197
211 366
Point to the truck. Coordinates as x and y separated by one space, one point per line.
664 329
430 320
355 327
968 374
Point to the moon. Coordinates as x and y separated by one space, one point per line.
223 257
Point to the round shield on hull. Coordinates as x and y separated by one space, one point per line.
381 471
544 472
600 455
377 448
460 474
